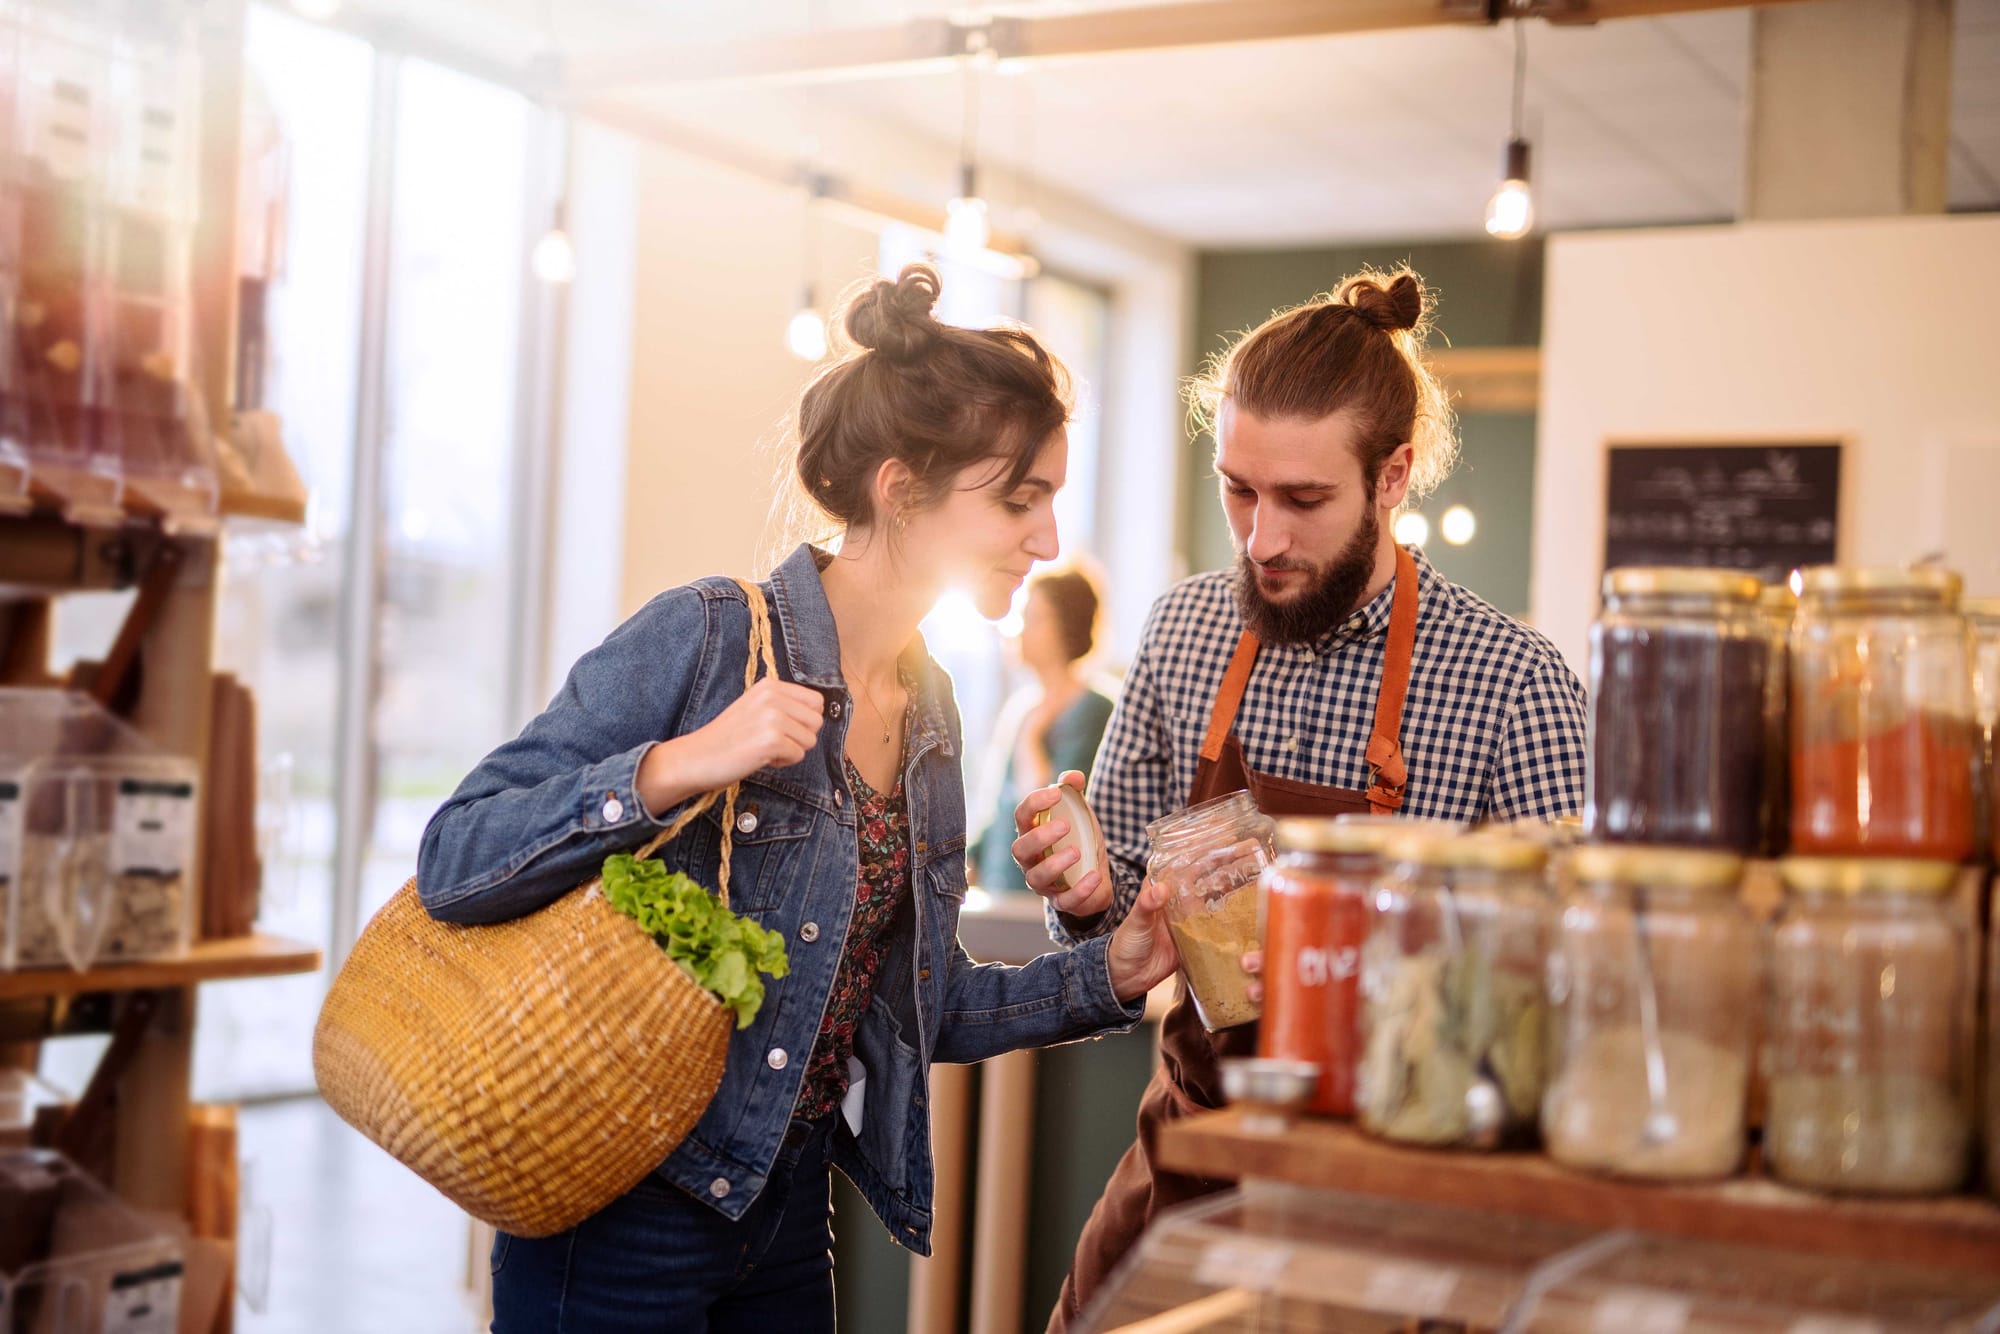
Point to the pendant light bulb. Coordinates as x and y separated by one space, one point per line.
554 257
966 228
806 334
1510 213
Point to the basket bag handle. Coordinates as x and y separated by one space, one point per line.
760 652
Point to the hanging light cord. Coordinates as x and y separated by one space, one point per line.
969 123
1520 74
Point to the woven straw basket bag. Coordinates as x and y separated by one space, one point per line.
536 1070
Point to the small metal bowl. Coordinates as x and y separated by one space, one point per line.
1271 1091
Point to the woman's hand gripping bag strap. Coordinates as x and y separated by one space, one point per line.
535 1070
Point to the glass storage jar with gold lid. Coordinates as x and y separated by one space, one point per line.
1316 898
1208 857
1868 1058
1454 1023
1680 667
1983 616
1884 751
1652 980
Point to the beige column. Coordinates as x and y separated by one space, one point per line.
1849 103
934 1283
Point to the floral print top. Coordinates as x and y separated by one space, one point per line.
882 824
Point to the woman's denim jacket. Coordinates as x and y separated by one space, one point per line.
541 813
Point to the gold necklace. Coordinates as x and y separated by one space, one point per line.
868 695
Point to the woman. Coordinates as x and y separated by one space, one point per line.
937 453
1054 725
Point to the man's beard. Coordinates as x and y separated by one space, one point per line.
1330 599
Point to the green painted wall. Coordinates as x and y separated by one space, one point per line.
1489 293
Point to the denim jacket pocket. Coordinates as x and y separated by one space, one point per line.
769 836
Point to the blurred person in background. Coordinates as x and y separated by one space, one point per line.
1053 725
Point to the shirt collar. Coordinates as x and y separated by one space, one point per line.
812 643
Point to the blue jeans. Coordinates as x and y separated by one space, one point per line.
659 1260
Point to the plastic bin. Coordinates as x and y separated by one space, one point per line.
97 837
75 1260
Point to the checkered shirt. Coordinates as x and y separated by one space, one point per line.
1493 723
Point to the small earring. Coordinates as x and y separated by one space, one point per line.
902 521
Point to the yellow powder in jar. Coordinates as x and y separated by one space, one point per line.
1212 945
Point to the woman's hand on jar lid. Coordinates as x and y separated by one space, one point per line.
1252 964
1042 869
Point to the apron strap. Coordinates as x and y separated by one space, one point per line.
1387 775
1222 716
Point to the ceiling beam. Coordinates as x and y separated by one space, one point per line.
929 44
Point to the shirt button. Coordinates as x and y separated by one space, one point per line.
777 1059
719 1188
614 810
746 822
809 932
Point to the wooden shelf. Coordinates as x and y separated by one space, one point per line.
206 961
1959 1233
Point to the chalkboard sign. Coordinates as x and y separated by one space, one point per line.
1765 508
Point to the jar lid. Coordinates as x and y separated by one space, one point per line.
1779 597
1916 580
1867 875
1486 851
1676 581
1981 609
1354 833
1648 864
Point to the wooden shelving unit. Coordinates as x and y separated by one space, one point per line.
1960 1233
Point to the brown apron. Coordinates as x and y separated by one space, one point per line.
1188 1079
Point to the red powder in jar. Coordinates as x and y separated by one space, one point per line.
1315 923
1904 791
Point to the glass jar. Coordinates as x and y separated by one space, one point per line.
1868 1061
1884 754
1778 606
1315 922
1208 857
1680 662
1983 615
1454 1023
1652 980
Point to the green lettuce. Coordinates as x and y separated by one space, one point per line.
722 952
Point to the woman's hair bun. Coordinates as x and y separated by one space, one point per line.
893 319
1394 308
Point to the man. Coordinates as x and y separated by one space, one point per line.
1331 672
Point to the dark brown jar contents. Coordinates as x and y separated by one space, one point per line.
1680 740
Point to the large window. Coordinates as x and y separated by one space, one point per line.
436 463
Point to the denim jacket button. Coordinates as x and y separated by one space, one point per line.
839 798
746 822
809 932
614 810
719 1188
777 1059
833 708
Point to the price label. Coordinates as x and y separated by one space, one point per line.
1640 1313
1409 1289
148 1302
10 830
152 827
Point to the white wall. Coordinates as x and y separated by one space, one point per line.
716 274
1885 332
